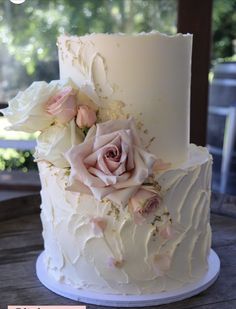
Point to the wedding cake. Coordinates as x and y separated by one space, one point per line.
125 197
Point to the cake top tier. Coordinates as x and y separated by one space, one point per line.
145 75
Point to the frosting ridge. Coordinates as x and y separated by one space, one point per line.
126 253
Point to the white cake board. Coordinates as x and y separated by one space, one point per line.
130 300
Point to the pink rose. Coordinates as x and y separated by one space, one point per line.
63 105
86 117
110 162
144 203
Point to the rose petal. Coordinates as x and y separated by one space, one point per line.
55 141
139 174
111 153
100 193
91 159
91 133
120 124
101 141
102 165
26 111
87 178
62 105
130 157
69 112
77 186
148 158
120 169
98 225
113 166
107 179
122 196
114 162
161 263
166 232
75 157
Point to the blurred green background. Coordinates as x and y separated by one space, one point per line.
28 35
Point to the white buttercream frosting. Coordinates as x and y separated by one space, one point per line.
99 245
119 256
149 73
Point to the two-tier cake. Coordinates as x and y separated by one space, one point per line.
125 197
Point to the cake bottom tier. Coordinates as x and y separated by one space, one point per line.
121 257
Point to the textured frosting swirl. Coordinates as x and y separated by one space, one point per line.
121 256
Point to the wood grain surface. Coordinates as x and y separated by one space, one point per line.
21 242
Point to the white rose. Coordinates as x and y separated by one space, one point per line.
26 112
55 141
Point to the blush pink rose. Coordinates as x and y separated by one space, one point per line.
63 105
86 117
143 204
110 162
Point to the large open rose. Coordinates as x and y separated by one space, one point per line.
110 162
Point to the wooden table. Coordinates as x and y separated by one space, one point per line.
21 243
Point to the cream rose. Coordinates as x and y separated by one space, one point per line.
144 203
110 162
55 141
26 112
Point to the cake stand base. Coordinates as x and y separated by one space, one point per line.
130 300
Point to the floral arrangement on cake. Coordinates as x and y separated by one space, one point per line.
105 159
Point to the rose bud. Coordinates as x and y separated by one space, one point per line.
86 117
144 203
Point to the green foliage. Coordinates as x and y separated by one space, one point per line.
224 28
11 159
30 29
